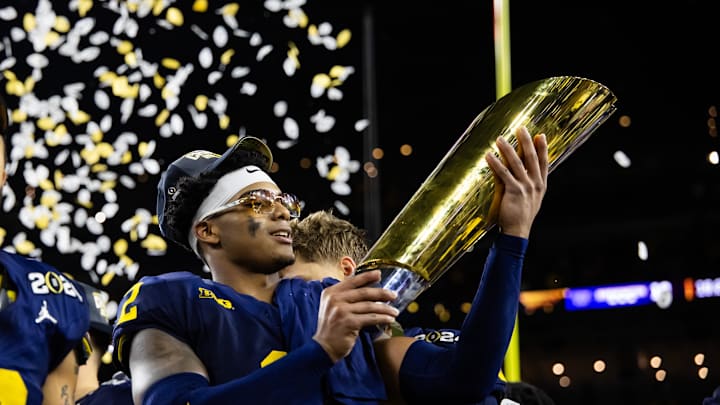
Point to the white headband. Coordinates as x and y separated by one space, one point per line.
226 187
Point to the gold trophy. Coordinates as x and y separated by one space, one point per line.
450 211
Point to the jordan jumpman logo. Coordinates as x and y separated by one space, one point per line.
44 314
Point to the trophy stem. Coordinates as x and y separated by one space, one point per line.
406 283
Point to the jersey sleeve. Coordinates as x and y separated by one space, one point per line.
157 302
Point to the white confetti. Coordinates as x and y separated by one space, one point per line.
176 124
213 77
152 166
149 110
334 94
37 61
102 100
199 119
95 227
361 125
263 52
291 128
273 5
99 38
341 207
220 36
205 58
248 88
330 43
110 209
255 39
126 109
80 218
284 144
280 108
289 67
7 63
239 71
323 123
8 13
622 159
165 130
340 188
17 34
642 251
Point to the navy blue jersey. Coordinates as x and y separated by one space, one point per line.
235 334
115 391
46 319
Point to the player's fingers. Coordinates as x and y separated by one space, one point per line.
356 281
372 319
501 172
528 153
512 159
367 307
541 148
367 294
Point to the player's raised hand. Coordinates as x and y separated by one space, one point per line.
349 306
521 181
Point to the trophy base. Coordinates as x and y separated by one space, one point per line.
407 284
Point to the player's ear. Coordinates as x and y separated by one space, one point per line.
206 232
347 264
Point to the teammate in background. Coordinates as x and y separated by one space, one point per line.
328 246
296 341
43 318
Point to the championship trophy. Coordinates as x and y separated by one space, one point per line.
450 211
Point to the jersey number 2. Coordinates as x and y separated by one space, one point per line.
128 312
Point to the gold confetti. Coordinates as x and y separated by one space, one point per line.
120 247
46 184
124 47
343 38
170 63
162 117
226 56
201 102
62 24
42 221
107 278
224 121
84 6
175 16
29 22
200 6
322 80
155 243
24 247
230 9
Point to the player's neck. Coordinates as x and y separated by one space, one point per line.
257 285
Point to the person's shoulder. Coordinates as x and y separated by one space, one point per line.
19 264
40 283
298 285
173 278
167 285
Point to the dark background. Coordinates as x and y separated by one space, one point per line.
423 71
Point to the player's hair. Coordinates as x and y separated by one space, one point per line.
191 191
321 236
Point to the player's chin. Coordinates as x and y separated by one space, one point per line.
284 257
